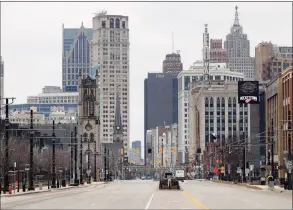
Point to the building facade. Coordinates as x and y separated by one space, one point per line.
271 60
160 100
238 50
110 51
172 63
46 109
274 66
163 146
54 94
137 146
218 71
217 53
75 56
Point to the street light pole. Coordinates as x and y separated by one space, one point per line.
75 157
88 159
81 166
272 148
105 163
6 169
53 159
95 162
289 151
31 183
71 156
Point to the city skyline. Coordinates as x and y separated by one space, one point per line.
43 54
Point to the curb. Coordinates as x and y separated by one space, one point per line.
50 190
240 185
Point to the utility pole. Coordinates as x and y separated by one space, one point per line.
31 183
244 150
75 157
53 159
81 166
289 151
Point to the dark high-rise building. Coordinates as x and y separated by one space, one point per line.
160 100
172 63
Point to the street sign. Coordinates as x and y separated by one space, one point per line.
239 170
251 167
289 164
247 170
88 172
27 167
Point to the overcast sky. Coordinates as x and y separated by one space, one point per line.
31 39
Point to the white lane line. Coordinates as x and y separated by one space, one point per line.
149 202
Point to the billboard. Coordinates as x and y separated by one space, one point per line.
248 92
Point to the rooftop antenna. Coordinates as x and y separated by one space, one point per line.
172 42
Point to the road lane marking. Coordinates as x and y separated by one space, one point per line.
149 202
152 196
194 201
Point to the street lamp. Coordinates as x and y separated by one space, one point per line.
53 158
31 183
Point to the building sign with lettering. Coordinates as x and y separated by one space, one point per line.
248 92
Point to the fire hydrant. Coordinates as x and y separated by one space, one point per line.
10 189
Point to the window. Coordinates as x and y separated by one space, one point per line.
103 24
111 23
117 23
123 24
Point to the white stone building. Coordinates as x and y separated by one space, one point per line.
53 94
110 52
24 117
218 71
215 110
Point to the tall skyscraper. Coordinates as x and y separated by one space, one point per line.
75 56
238 50
217 53
110 52
172 63
1 80
160 101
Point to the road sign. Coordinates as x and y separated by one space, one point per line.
289 164
239 170
88 172
251 167
27 167
247 170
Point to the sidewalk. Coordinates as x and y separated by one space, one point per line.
256 187
45 189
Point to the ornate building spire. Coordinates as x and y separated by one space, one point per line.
236 20
118 121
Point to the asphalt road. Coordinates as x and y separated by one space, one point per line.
144 194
